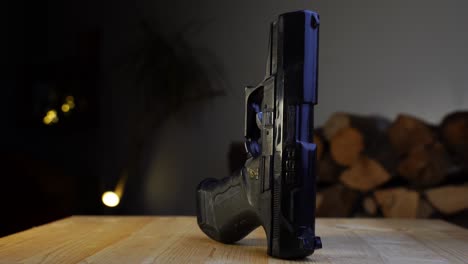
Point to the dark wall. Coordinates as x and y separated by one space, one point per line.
48 172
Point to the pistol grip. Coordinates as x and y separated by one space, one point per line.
223 211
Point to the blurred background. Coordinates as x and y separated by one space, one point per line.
145 98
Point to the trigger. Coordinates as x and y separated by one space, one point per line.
258 119
253 148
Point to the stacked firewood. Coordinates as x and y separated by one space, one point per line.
370 166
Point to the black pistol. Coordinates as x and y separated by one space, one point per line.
276 187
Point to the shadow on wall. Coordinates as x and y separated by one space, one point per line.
167 78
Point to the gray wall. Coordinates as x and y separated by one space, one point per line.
375 57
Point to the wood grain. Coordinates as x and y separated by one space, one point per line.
178 240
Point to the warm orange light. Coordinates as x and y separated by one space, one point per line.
110 199
50 117
70 101
46 120
65 108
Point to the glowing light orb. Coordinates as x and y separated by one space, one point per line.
110 199
50 117
70 101
65 108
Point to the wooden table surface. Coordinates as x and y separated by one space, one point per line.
128 239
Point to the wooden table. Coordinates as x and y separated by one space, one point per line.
125 239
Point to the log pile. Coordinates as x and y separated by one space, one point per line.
370 166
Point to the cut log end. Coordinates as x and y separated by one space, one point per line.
455 128
336 201
398 202
449 199
454 132
335 123
408 132
346 146
365 175
425 165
